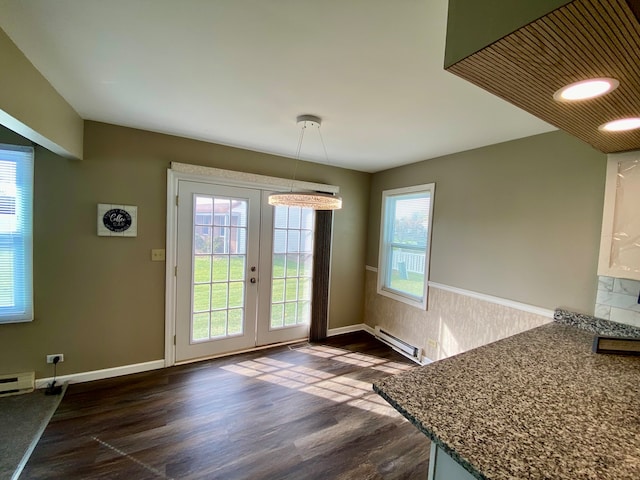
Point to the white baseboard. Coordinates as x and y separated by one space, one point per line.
101 374
425 360
348 329
368 329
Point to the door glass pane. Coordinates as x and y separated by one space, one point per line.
293 243
293 260
292 265
218 323
279 260
306 265
280 218
292 289
235 321
277 315
202 239
294 217
219 266
236 294
236 267
201 326
202 297
277 290
201 269
307 219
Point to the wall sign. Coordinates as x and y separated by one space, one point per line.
117 220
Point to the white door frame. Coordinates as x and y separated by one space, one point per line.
195 173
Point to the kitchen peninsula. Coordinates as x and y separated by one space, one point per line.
537 405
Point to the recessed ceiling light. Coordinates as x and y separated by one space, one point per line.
621 125
585 89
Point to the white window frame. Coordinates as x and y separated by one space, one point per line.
384 256
21 241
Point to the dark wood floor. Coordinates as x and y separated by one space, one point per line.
305 412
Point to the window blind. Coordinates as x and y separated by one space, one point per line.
16 233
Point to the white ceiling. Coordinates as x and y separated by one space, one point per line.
238 72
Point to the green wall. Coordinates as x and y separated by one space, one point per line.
100 300
473 24
518 220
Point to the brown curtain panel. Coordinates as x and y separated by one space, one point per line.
321 264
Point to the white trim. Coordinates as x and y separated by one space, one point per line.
433 456
101 374
333 224
246 350
368 329
185 172
425 360
524 307
230 177
332 332
170 268
384 275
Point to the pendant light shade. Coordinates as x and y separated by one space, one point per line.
314 200
317 201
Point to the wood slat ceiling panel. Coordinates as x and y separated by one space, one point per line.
584 39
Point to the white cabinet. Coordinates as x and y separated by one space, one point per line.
620 241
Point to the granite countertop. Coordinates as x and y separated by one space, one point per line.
537 405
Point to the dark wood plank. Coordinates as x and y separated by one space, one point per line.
300 412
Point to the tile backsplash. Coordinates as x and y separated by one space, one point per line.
617 300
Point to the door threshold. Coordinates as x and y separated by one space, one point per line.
246 350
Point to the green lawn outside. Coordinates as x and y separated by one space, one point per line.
413 284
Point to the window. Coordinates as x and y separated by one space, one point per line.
16 205
405 238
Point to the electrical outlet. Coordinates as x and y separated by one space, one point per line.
51 357
157 255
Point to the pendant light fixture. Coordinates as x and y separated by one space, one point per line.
314 200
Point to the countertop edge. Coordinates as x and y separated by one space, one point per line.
598 326
431 436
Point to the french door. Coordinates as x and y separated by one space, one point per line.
243 270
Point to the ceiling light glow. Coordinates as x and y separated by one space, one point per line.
621 125
586 89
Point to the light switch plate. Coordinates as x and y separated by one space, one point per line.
157 255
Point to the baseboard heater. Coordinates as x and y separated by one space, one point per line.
400 346
16 383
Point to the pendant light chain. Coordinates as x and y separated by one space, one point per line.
295 167
326 156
